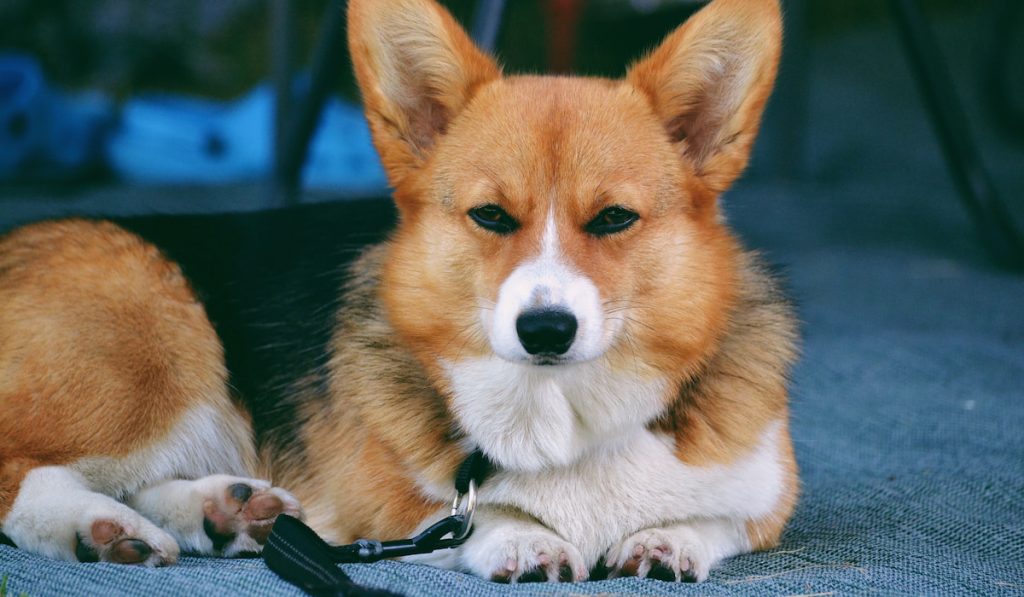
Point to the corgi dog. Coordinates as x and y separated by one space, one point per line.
560 291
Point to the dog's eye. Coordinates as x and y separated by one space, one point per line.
493 218
611 220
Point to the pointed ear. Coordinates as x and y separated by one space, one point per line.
416 69
709 81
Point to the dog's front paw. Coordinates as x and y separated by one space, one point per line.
519 551
673 554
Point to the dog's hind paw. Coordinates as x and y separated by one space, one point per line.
116 540
219 514
238 517
123 537
58 515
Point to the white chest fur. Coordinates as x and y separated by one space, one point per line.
637 482
573 451
529 418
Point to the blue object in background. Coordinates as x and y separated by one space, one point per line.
342 154
22 100
45 134
175 140
169 139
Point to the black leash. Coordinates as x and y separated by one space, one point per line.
298 555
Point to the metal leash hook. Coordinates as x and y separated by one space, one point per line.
459 525
296 553
467 503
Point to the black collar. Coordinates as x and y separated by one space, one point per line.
476 467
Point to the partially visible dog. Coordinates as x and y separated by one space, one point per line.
561 291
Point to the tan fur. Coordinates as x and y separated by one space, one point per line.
709 82
364 451
103 346
572 146
575 123
722 411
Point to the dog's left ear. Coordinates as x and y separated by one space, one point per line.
709 81
417 69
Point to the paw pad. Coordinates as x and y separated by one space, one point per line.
110 541
238 518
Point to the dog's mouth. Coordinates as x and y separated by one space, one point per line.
548 360
540 359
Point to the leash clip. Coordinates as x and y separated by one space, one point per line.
297 554
464 506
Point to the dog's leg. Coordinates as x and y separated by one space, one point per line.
685 551
508 546
218 514
56 514
112 378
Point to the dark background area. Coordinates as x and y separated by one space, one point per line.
846 120
846 110
221 48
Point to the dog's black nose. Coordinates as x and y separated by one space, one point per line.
548 331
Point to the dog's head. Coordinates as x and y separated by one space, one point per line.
554 220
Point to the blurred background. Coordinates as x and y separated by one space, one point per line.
114 107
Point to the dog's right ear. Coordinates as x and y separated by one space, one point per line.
417 69
709 81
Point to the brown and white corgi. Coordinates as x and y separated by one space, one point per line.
560 291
